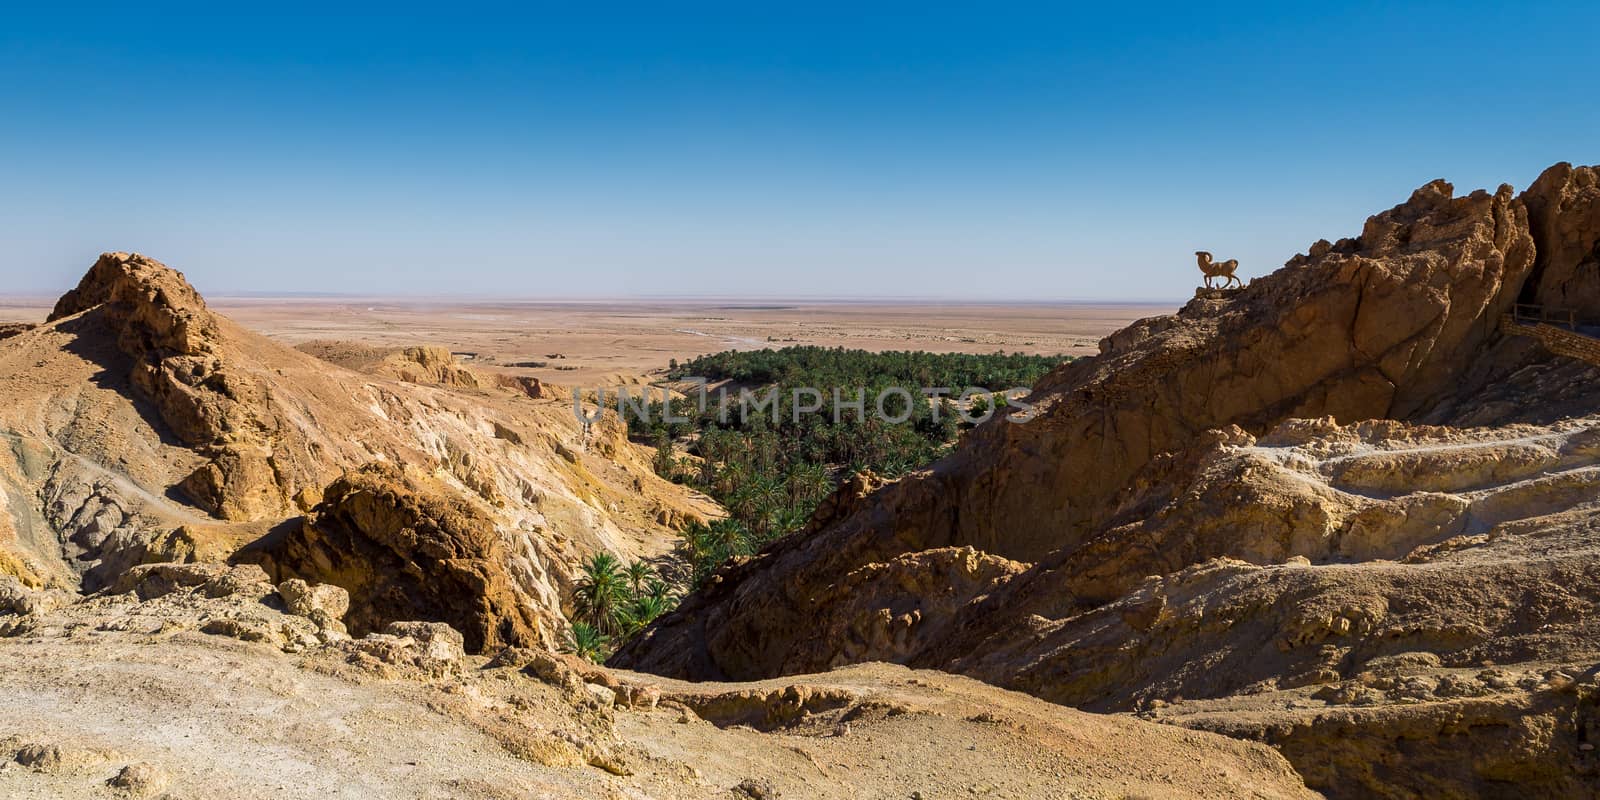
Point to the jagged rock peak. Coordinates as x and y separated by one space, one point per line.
145 297
1564 214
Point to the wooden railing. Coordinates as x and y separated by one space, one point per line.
1526 314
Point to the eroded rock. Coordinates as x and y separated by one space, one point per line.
139 780
150 581
436 640
1235 516
406 549
324 603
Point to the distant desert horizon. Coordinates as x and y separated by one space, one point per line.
622 341
44 299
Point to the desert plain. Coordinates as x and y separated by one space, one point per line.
608 342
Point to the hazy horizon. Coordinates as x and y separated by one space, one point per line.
748 302
907 151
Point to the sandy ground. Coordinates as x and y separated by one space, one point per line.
600 343
112 682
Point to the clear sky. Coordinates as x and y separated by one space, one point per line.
978 150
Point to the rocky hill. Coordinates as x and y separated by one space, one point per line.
1342 510
143 427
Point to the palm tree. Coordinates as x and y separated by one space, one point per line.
732 479
728 539
790 519
809 483
638 572
586 642
643 610
663 462
684 470
769 492
705 547
696 542
707 473
600 593
741 501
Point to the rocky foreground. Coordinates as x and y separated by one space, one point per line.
205 681
1345 511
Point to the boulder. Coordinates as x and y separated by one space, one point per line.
603 695
323 603
139 780
436 640
150 581
406 548
18 598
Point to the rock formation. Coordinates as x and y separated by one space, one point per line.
1362 330
143 427
405 548
425 364
1231 502
1564 212
176 362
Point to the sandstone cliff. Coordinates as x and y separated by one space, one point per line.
1564 212
1368 328
1266 427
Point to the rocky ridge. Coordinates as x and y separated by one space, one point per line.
1264 495
143 427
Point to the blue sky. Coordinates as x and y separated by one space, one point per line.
1036 152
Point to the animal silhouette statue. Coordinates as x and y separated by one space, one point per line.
1216 269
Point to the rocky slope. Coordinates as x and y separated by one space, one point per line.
143 427
193 681
1243 501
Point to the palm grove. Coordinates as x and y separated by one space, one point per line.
770 467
